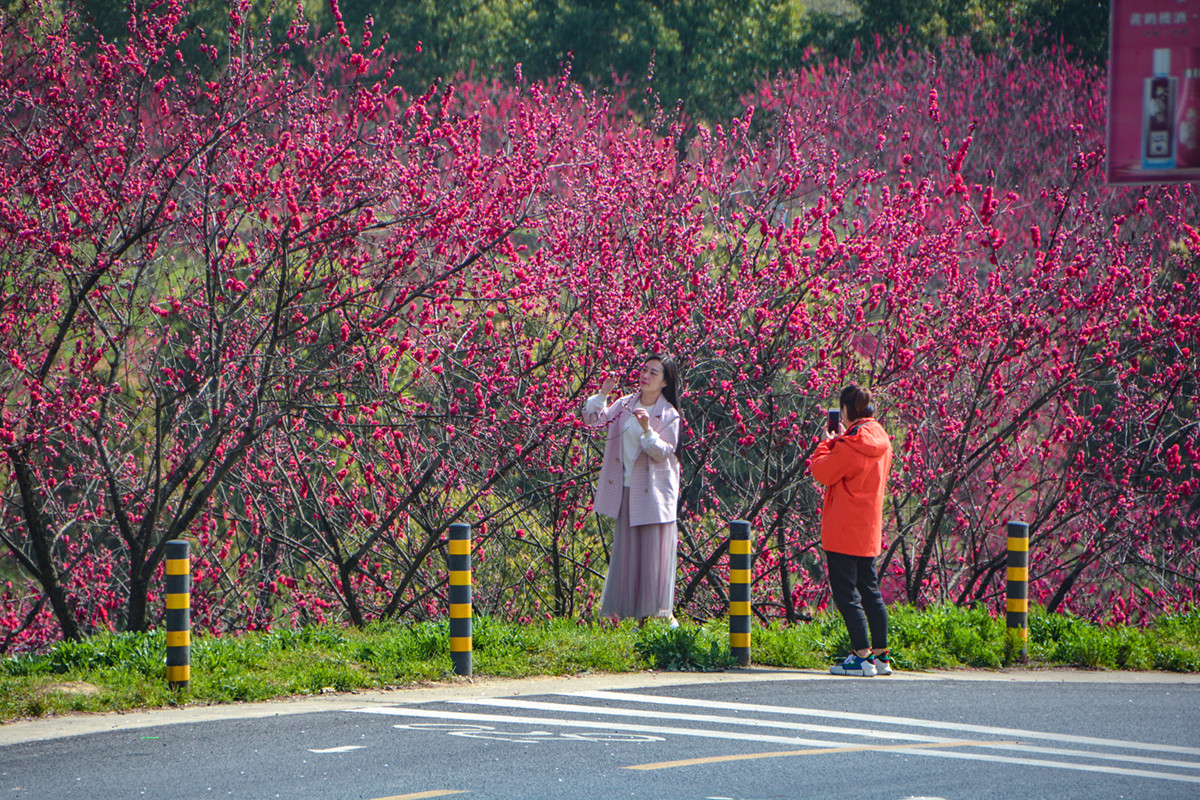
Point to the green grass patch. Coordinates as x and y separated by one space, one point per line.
946 636
1171 643
949 637
111 672
692 648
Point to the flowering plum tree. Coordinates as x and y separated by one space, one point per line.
992 304
274 305
200 266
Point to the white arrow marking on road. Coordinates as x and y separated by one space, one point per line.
346 748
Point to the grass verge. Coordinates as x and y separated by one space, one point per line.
122 671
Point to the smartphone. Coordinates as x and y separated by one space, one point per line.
835 417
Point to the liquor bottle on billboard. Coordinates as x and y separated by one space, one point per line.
1187 139
1158 114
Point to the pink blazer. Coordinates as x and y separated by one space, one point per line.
654 486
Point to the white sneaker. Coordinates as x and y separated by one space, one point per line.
855 665
883 664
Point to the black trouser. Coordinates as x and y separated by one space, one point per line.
856 592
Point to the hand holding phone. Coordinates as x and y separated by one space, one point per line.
835 419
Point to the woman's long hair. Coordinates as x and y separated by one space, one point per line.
670 374
857 400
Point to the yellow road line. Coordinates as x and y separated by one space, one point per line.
816 751
419 795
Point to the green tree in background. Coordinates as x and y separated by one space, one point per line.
439 38
703 53
1081 24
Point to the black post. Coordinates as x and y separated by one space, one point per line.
1017 603
739 591
460 598
179 614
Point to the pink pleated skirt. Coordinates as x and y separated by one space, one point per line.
641 569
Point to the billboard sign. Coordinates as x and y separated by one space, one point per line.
1154 91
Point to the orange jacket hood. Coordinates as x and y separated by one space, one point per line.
854 469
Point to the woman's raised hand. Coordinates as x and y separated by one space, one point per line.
607 387
643 418
827 434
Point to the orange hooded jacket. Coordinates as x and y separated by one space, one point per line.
854 470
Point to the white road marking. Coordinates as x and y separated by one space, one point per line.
812 751
933 741
533 705
911 722
1033 762
473 731
618 726
346 748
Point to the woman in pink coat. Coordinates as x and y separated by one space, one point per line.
639 488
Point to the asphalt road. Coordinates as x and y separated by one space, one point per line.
745 735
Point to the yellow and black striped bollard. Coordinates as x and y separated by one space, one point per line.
179 614
1017 603
460 598
739 591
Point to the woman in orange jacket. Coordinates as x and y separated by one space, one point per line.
852 462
